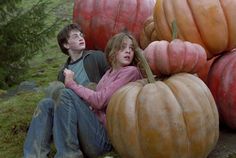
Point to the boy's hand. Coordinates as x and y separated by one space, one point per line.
69 75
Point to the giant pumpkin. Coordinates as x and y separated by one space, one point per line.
222 83
101 19
171 118
148 33
210 23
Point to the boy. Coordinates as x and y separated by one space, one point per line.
89 66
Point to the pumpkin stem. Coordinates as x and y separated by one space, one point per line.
145 65
174 29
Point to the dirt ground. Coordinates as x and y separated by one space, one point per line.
226 145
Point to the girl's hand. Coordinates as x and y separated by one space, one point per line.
69 75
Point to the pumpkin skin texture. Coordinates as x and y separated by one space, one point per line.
210 23
101 19
148 33
222 83
203 72
174 118
166 58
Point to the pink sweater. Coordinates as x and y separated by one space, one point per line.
110 82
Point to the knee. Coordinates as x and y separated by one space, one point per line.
44 106
67 93
64 98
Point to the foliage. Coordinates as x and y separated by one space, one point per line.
23 33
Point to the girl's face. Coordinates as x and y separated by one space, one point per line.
125 55
75 41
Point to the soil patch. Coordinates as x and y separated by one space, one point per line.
226 145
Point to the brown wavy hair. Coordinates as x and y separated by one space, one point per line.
115 44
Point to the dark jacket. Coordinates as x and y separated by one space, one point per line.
95 65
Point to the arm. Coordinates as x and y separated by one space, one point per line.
99 99
60 76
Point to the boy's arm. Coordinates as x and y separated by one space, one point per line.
60 76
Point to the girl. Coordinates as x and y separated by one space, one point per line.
83 127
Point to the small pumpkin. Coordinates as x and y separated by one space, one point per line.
101 19
210 23
173 118
148 33
222 83
166 58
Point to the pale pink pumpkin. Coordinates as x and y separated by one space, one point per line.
176 56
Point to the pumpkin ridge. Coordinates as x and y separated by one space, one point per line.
120 97
94 6
188 84
210 99
203 43
113 134
171 122
219 87
227 23
136 126
150 119
214 112
230 83
195 21
169 23
160 33
226 114
117 15
172 83
136 14
196 60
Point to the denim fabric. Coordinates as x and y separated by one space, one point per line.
39 136
76 128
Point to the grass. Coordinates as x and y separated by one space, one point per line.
15 115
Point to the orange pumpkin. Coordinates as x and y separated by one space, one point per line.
176 56
210 23
173 118
148 33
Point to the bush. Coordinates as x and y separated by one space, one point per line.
23 33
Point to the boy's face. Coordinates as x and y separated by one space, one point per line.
75 41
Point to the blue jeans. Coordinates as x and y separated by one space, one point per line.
74 127
39 136
77 128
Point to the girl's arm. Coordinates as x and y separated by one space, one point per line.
99 99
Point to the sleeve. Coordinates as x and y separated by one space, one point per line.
60 76
99 99
103 64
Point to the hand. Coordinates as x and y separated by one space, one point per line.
69 75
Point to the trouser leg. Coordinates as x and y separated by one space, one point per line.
39 135
77 128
